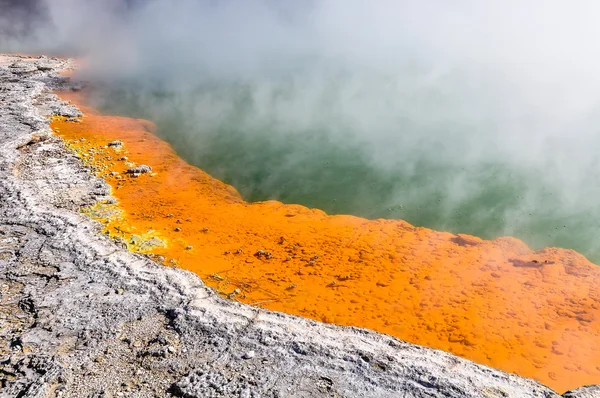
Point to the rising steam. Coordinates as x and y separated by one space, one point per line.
478 117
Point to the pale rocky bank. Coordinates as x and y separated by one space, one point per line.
82 317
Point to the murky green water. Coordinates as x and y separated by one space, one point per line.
423 155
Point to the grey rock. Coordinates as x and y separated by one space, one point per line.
139 169
584 392
60 275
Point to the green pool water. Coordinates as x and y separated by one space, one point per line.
440 155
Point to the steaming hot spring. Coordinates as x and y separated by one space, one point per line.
401 203
428 171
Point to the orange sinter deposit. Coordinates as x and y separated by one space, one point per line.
534 313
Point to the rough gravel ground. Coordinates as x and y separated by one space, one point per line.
81 317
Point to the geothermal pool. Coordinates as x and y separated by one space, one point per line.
450 153
424 170
497 302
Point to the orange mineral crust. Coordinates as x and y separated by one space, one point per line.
534 313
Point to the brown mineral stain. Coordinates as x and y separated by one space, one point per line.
496 302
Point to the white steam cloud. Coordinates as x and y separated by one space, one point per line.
463 84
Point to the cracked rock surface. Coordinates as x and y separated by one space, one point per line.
82 317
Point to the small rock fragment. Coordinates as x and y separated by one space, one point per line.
249 355
115 143
141 169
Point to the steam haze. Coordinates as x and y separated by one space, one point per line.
474 117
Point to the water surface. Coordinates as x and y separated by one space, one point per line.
446 152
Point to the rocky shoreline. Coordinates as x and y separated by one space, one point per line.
81 317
